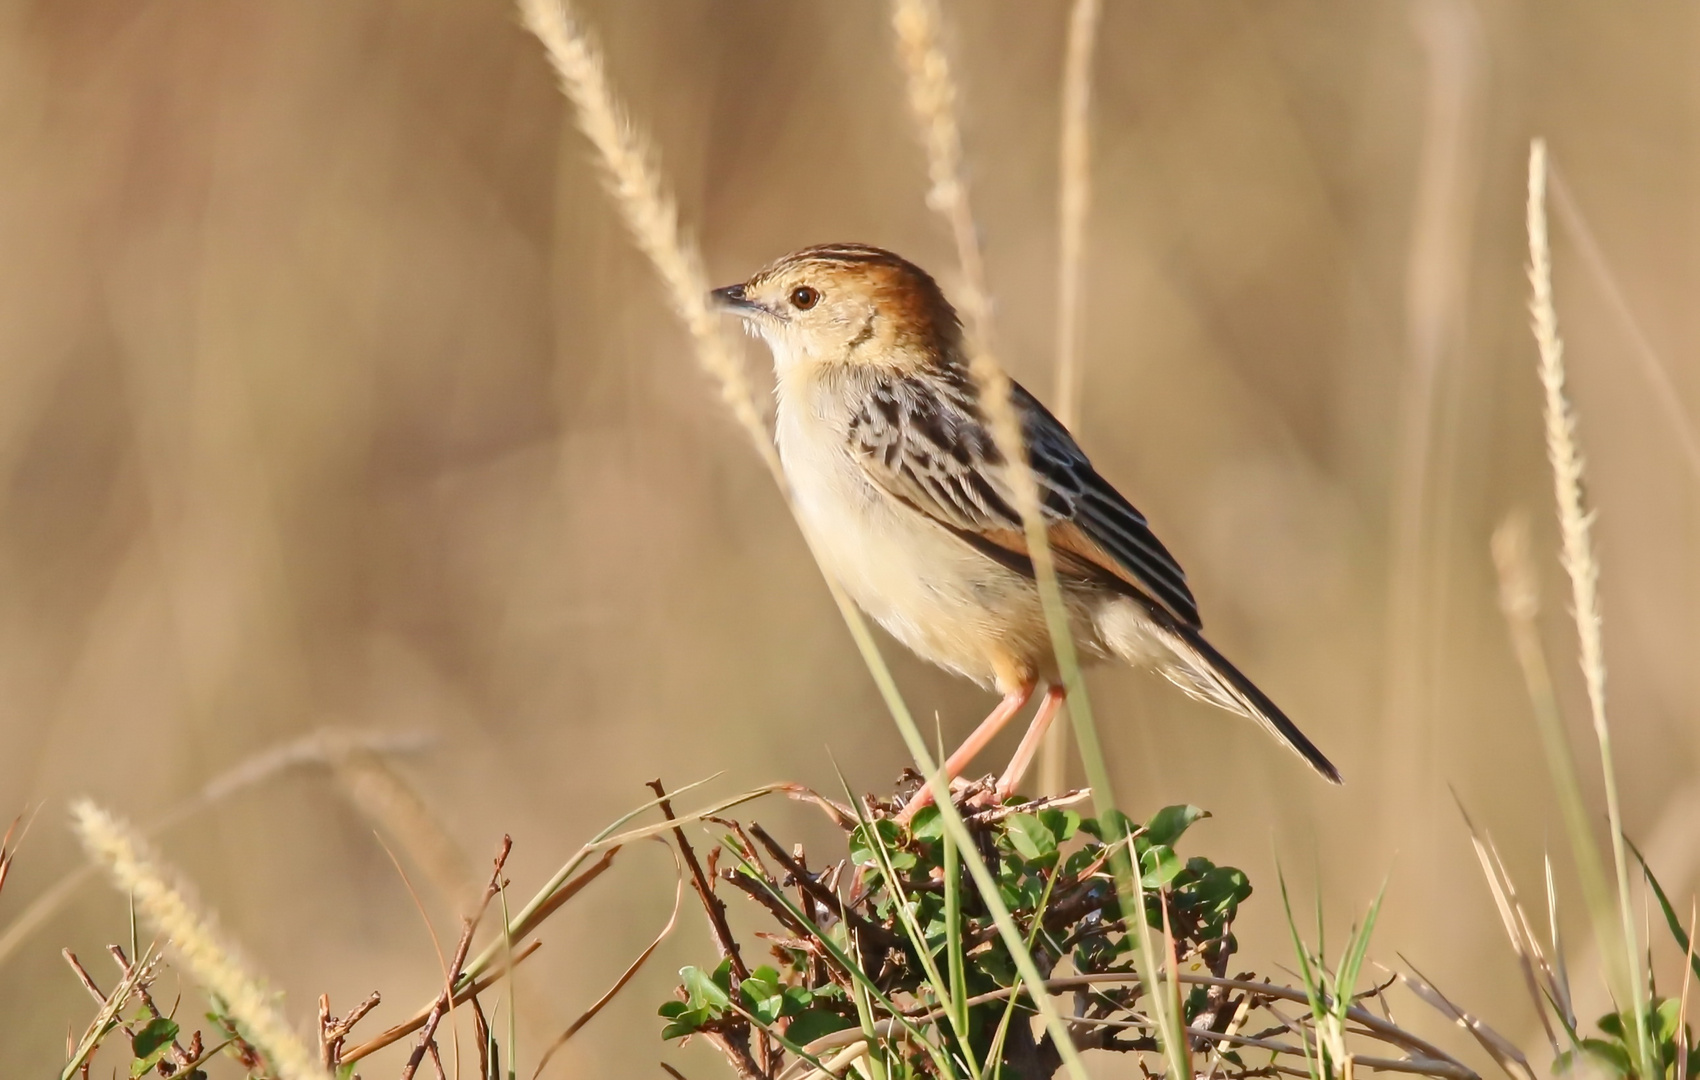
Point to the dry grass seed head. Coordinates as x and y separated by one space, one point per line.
167 903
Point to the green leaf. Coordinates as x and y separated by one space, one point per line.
763 995
996 963
1030 837
670 1009
1158 867
927 824
861 848
150 1044
1223 888
706 991
1062 822
1663 1018
686 1023
811 1025
1079 860
1110 826
887 834
1167 824
1610 1054
797 998
1671 919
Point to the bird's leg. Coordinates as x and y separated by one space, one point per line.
1012 703
1042 720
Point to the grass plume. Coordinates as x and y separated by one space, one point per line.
652 219
932 98
1575 529
651 216
166 903
332 748
932 102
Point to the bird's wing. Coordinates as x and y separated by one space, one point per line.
924 441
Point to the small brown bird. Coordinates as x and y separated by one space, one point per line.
897 478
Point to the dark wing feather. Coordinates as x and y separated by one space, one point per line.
924 441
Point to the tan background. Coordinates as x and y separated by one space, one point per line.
330 393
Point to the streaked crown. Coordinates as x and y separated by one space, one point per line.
847 303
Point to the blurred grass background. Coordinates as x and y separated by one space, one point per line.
332 394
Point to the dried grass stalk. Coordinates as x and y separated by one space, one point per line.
326 747
1576 528
932 96
650 214
1653 366
389 801
1565 455
167 903
932 99
1074 199
652 220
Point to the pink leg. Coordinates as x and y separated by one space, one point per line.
994 722
1048 710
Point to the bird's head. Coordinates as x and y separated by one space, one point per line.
845 304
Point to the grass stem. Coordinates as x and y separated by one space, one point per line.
1074 198
1575 528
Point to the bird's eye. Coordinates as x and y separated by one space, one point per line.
803 298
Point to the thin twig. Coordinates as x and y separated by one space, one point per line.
625 977
182 1055
333 1031
108 1014
1379 1027
446 1000
462 995
566 892
83 976
724 942
824 896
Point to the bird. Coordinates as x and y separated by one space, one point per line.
896 478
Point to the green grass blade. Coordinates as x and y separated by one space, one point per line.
1671 919
1345 983
861 978
865 1017
1055 1025
943 994
1315 993
953 932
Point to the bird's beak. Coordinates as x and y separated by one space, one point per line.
732 299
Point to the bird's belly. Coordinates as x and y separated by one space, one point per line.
942 599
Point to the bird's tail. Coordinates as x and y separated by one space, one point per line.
1207 675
